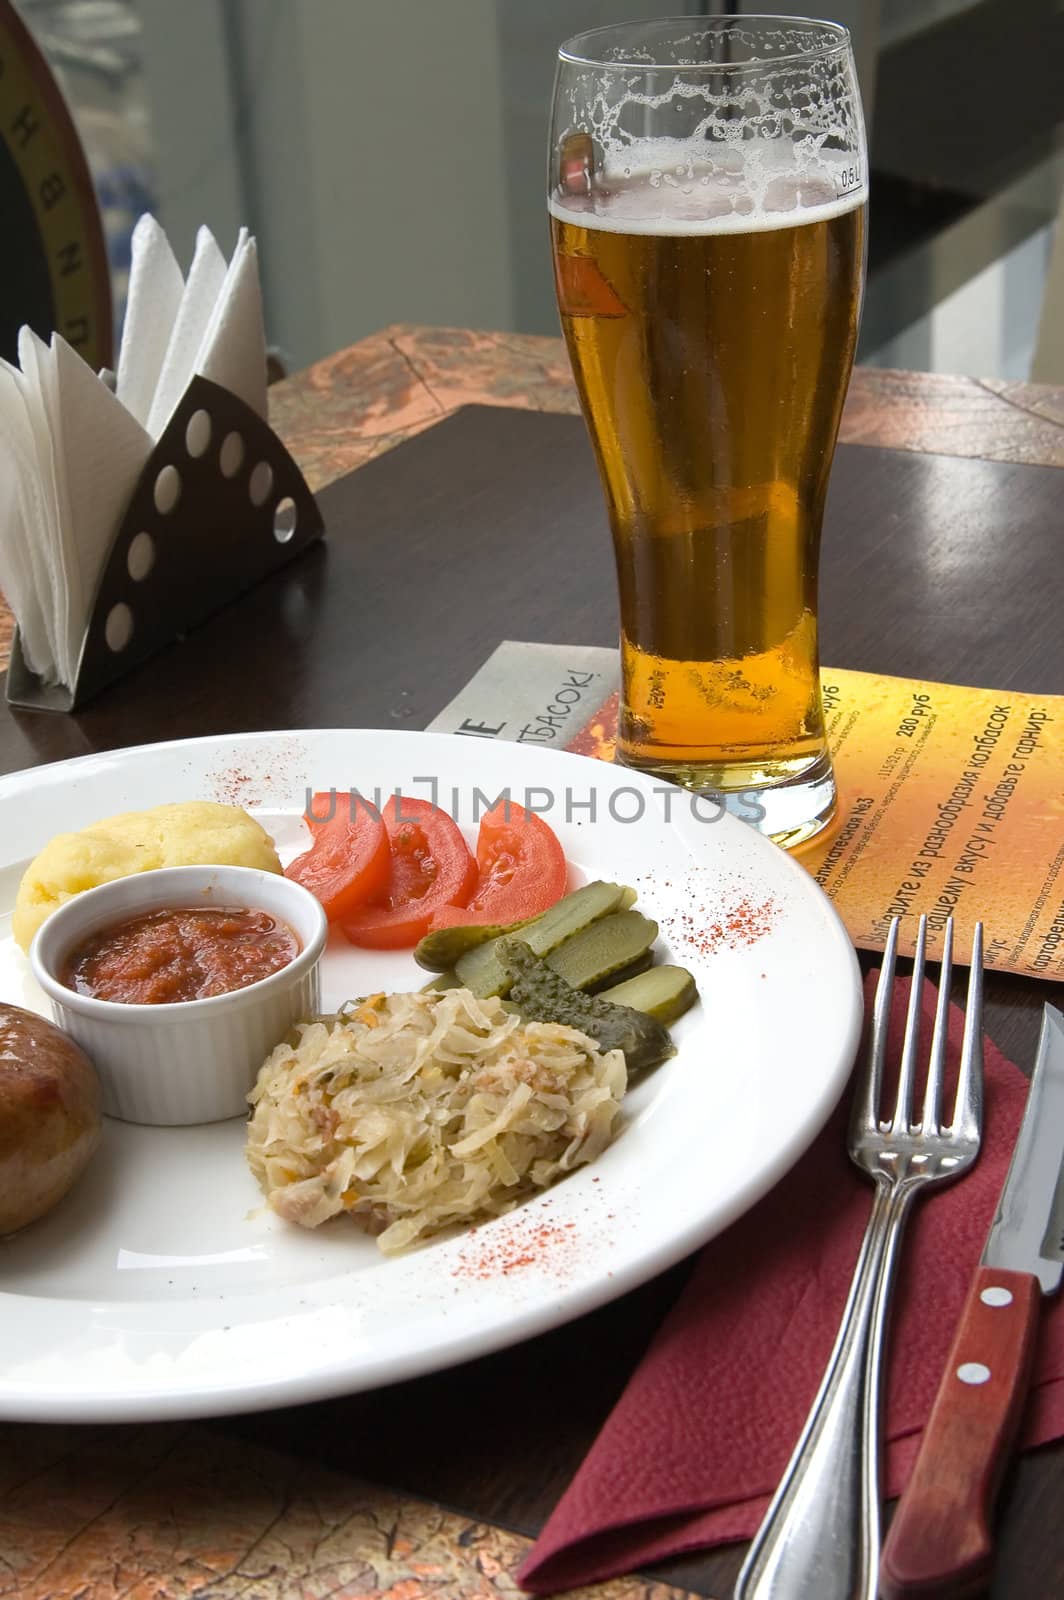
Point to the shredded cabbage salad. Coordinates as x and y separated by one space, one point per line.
414 1112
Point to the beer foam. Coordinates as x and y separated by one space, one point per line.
731 128
666 187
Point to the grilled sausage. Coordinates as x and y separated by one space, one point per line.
49 1115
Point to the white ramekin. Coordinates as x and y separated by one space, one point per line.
193 1060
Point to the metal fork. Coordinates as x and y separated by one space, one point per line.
820 1536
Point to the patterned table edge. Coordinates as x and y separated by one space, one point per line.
184 1512
365 400
370 397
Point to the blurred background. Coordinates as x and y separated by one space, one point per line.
389 155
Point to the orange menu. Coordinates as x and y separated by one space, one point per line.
951 800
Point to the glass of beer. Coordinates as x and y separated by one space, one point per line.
708 188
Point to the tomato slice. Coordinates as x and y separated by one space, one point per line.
349 861
322 808
430 867
521 870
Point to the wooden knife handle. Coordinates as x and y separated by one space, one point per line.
939 1542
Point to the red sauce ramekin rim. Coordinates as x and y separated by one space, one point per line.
130 896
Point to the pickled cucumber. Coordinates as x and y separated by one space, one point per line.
440 950
661 992
542 995
615 978
443 980
607 947
482 972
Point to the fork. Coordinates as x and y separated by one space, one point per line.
820 1536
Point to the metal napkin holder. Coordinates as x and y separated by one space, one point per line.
219 505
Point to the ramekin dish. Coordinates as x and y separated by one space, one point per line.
191 1060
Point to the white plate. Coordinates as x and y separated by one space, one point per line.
160 1288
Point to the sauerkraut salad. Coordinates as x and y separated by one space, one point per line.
410 1113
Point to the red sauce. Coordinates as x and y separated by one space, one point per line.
183 953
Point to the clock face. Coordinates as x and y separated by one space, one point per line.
53 268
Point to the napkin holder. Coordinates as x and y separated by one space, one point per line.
219 505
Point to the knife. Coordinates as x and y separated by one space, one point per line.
939 1541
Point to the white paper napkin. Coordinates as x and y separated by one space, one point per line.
99 485
71 451
152 303
233 350
35 457
206 281
24 579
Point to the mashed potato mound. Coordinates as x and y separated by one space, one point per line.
186 833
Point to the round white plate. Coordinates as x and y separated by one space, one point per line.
161 1288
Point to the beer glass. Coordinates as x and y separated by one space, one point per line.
708 187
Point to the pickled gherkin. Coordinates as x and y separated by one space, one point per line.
542 995
480 969
663 992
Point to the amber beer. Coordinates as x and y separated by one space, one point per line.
712 358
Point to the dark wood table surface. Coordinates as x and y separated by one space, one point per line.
439 1482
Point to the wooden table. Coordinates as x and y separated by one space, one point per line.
419 1488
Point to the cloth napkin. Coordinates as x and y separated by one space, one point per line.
695 1447
71 451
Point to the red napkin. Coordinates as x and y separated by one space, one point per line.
694 1448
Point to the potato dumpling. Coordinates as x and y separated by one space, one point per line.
186 833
